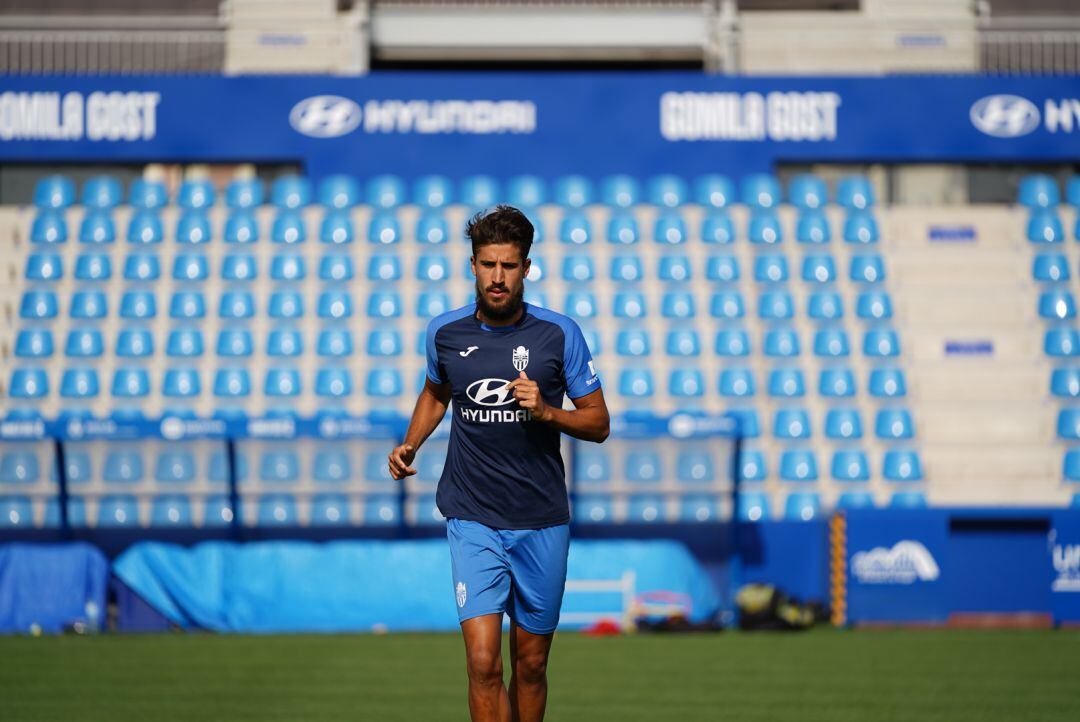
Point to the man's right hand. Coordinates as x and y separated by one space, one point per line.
401 459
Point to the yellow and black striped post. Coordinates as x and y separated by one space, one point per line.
838 568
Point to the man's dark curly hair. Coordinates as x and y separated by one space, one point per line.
501 224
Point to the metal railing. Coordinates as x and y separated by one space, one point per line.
1029 52
92 52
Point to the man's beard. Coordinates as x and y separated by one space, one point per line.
503 312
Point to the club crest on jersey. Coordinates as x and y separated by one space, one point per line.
460 594
521 358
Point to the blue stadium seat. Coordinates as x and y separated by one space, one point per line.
770 268
855 500
686 383
620 191
855 191
385 191
333 383
764 228
677 304
574 228
19 467
843 424
48 227
594 509
171 510
667 191
636 383
338 305
573 191
118 510
582 304
1071 465
148 195
97 227
34 343
867 269
244 193
887 383
1060 342
1044 226
44 267
89 305
93 267
217 511
479 191
1057 304
339 191
84 343
682 342
577 268
329 510
187 305
901 465
376 472
432 303
526 191
894 424
288 228
181 383
39 305
138 305
645 508
380 509
177 467
824 306
760 190
232 383
798 465
79 383
384 383
235 342
1065 382
802 506
16 512
737 383
632 342
695 466
1068 424
624 268
752 466
850 465
381 342
130 383
753 506
874 305
1039 191
331 466
54 191
818 268
592 466
184 343
79 466
123 465
196 194
338 267
285 342
1050 267
786 383
242 227
629 304
423 510
190 267
281 467
277 510
1072 191
812 227
669 229
286 305
432 228
781 342
722 268
792 424
289 191
775 305
431 267
807 191
643 465
287 267
193 228
732 342
433 191
335 343
861 227
831 343
717 228
698 507
384 229
714 191
881 343
727 304
239 267
282 382
749 423
908 500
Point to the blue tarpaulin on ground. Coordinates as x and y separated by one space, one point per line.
367 585
51 586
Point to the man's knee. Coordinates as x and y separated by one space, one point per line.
531 669
485 667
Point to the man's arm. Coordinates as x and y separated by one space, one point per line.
589 421
429 411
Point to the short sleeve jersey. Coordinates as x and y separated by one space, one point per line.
503 469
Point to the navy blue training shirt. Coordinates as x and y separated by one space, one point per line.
502 469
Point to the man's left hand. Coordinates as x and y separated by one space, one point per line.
528 397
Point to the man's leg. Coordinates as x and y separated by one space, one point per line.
528 674
488 700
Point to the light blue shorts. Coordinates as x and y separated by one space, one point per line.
521 572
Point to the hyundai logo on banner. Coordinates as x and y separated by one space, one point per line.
325 116
1005 116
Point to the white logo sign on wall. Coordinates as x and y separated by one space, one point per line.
1066 568
1004 116
776 116
325 116
906 563
332 116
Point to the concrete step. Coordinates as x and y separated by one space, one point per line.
993 345
984 424
958 308
953 226
959 380
967 468
960 266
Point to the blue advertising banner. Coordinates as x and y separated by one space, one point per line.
541 123
1064 549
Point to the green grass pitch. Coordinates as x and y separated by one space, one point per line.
820 675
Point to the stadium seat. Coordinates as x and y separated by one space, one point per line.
686 383
170 510
232 383
142 267
138 305
380 342
217 511
714 191
635 383
177 467
781 342
242 227
38 305
79 383
384 229
577 268
244 193
843 424
855 500
385 192
764 228
732 342
881 343
85 343
574 228
423 511
786 383
874 305
184 343
632 342
331 466
282 382
645 508
239 268
682 342
812 227
432 228
93 267
432 303
594 509
381 267
19 467
193 228
1071 465
620 191
526 191
1044 226
752 466
1072 191
1050 267
336 343
1068 424
908 500
669 229
867 269
130 383
1065 382
699 508
286 305
717 228
43 267
737 383
677 304
727 305
277 510
384 383
770 269
147 195
34 343
280 467
722 268
48 227
861 227
753 506
338 191
573 191
333 383
187 305
290 191
89 305
855 191
901 465
624 268
824 306
627 304
329 510
54 191
1061 342
196 194
667 191
380 509
887 383
433 191
190 267
181 383
807 191
592 467
802 506
798 465
479 191
145 227
16 512
1039 191
818 268
118 510
792 424
97 228
894 424
849 465
760 190
643 466
123 465
1057 305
